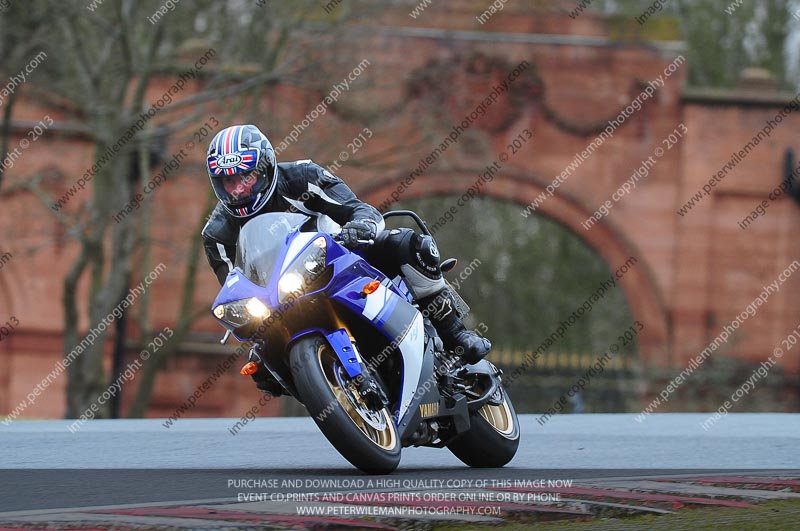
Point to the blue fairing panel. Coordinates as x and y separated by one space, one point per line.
238 287
348 356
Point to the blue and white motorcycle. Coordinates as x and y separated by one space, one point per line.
351 345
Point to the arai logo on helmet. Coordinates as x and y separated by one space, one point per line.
229 161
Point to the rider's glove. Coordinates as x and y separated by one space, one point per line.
358 229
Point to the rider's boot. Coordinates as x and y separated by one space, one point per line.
441 308
269 385
422 273
263 378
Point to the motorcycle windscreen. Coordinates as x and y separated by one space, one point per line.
260 243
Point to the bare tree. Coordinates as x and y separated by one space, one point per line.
103 59
19 43
101 62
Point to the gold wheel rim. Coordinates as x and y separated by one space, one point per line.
385 438
499 417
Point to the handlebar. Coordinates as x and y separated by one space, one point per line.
396 213
338 239
413 215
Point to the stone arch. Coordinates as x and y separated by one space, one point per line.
605 238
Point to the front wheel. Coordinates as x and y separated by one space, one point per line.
493 437
366 438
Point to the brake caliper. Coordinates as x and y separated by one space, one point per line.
371 392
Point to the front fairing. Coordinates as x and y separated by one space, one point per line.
262 242
267 246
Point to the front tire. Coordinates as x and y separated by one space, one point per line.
493 437
366 438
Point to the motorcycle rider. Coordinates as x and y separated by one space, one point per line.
248 181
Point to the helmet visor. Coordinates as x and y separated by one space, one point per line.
239 189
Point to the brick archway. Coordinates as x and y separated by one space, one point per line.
7 309
7 295
608 241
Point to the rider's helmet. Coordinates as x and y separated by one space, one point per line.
242 167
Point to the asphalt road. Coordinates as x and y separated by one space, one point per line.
138 461
602 441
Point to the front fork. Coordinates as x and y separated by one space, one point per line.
368 387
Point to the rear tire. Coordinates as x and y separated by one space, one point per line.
367 439
493 437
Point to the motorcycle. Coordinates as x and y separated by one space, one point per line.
352 346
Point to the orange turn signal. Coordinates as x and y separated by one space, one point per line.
249 368
371 287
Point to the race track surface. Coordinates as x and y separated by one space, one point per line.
146 476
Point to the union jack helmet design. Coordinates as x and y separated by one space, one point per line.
242 167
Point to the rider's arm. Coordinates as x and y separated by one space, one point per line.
217 238
220 258
323 192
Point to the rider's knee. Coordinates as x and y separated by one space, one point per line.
395 237
426 253
408 247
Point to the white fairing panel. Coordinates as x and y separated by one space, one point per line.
376 301
412 347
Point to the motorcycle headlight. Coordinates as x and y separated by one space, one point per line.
242 312
307 273
256 308
290 282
